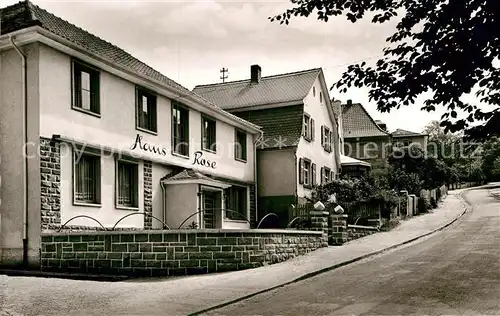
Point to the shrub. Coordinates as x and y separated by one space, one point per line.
390 224
433 202
424 205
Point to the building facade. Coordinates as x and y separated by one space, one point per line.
363 138
403 138
299 148
92 135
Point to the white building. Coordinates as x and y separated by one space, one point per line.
108 136
300 147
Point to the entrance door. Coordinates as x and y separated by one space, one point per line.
211 207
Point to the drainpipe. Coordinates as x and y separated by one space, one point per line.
261 136
25 160
164 192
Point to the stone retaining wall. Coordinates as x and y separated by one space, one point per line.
174 252
356 231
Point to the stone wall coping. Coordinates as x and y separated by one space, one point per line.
363 227
319 213
185 231
339 215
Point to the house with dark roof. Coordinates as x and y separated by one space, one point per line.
107 136
363 138
403 138
300 143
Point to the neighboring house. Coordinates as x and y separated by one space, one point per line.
107 136
299 148
350 167
403 138
364 139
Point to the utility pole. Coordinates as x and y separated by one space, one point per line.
224 76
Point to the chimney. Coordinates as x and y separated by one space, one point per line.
255 71
349 102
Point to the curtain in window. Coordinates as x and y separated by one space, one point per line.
86 174
125 185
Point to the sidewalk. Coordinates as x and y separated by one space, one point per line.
193 294
495 191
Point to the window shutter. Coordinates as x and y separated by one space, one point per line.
313 174
301 171
312 129
322 175
322 135
152 114
96 95
330 138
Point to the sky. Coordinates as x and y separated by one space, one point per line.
190 41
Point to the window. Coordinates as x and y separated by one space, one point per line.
87 179
180 129
236 202
321 97
85 88
307 172
208 134
308 128
326 175
406 142
127 183
314 91
326 138
145 110
240 147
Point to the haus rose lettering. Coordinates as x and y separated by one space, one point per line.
201 161
139 143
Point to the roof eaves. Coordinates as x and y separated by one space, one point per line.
176 87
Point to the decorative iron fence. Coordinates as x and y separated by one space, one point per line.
300 216
361 213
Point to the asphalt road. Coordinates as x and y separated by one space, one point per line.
456 271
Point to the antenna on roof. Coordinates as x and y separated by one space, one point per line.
224 76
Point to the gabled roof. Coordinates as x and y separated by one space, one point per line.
282 127
356 122
186 174
25 14
402 133
289 87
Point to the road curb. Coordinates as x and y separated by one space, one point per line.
63 275
496 196
341 264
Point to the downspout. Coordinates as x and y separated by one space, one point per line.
164 193
25 160
255 171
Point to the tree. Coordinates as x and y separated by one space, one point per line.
496 168
437 134
491 152
443 47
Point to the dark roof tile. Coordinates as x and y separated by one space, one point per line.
401 133
282 127
356 122
290 87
